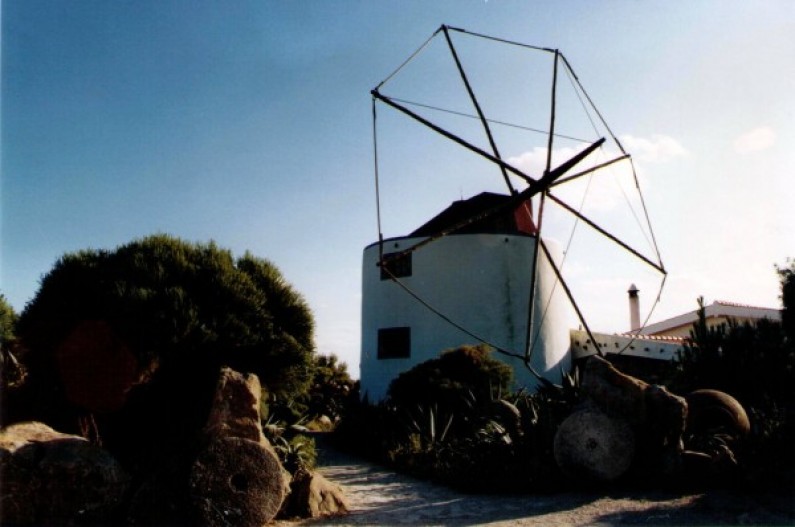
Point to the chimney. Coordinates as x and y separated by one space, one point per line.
634 309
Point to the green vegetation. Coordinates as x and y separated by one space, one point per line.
8 321
453 420
167 314
755 363
182 311
11 373
468 370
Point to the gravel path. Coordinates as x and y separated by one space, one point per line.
379 496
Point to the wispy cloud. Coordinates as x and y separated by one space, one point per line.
656 149
756 140
615 181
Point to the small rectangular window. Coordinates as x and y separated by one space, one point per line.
398 264
394 343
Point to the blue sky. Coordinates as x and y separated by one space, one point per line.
249 123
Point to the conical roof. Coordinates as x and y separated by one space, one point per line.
510 220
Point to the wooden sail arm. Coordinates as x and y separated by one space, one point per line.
466 144
476 104
603 232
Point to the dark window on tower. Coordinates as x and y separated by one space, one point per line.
398 264
394 343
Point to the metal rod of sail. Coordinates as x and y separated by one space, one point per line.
551 135
604 232
475 103
533 279
589 170
529 180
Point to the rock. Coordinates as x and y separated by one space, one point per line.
655 417
592 446
614 392
712 410
235 407
313 496
236 481
237 478
50 478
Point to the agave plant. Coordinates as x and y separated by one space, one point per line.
431 425
297 453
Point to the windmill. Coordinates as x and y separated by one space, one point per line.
481 271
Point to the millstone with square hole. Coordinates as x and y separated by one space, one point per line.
592 446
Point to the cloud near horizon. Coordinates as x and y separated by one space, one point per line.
657 149
756 140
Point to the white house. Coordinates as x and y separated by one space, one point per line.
638 351
472 284
717 313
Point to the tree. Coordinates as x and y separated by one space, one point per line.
755 363
786 275
11 374
331 388
172 313
8 321
456 374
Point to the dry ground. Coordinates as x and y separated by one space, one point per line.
379 496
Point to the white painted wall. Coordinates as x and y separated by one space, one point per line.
480 281
643 346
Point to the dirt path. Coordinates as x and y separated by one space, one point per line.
381 497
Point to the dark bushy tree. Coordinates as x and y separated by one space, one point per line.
331 388
454 375
755 363
11 373
182 310
8 321
786 275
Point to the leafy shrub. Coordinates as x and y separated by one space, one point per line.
183 311
752 362
458 375
476 439
296 453
12 373
330 389
8 321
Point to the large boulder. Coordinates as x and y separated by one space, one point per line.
619 404
313 496
716 411
50 478
235 407
237 477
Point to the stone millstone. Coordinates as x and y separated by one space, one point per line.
47 477
715 410
236 481
592 446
